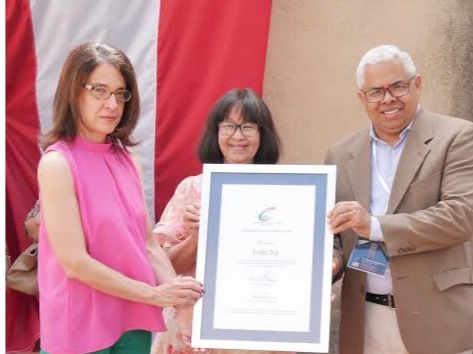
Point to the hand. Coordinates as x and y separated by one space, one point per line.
184 321
32 227
336 268
180 291
350 215
191 216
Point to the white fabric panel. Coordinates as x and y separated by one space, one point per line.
60 25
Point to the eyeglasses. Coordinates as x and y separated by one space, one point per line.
398 89
248 129
102 92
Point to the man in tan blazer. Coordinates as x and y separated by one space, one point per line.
406 183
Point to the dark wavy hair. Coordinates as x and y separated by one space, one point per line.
79 64
253 110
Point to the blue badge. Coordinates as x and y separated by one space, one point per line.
368 256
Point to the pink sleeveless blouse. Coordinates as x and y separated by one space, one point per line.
74 317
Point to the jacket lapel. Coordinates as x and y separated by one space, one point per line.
414 153
358 169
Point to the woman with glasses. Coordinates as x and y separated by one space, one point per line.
102 277
239 129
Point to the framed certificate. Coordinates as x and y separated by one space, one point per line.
265 258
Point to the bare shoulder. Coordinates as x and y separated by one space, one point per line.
53 165
134 155
135 158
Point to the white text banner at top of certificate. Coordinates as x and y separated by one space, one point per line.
264 255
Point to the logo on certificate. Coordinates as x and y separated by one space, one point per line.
266 214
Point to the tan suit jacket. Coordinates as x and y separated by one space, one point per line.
427 232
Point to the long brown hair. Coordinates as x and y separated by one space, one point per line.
79 64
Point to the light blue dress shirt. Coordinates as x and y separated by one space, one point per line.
384 160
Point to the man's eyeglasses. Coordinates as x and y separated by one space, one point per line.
102 92
398 89
247 129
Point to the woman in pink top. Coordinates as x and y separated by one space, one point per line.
239 129
102 278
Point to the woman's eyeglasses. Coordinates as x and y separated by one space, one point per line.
102 92
247 129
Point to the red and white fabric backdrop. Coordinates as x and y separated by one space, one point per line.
186 54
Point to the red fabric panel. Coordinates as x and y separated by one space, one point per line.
205 48
22 156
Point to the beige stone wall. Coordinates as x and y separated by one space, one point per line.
315 46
